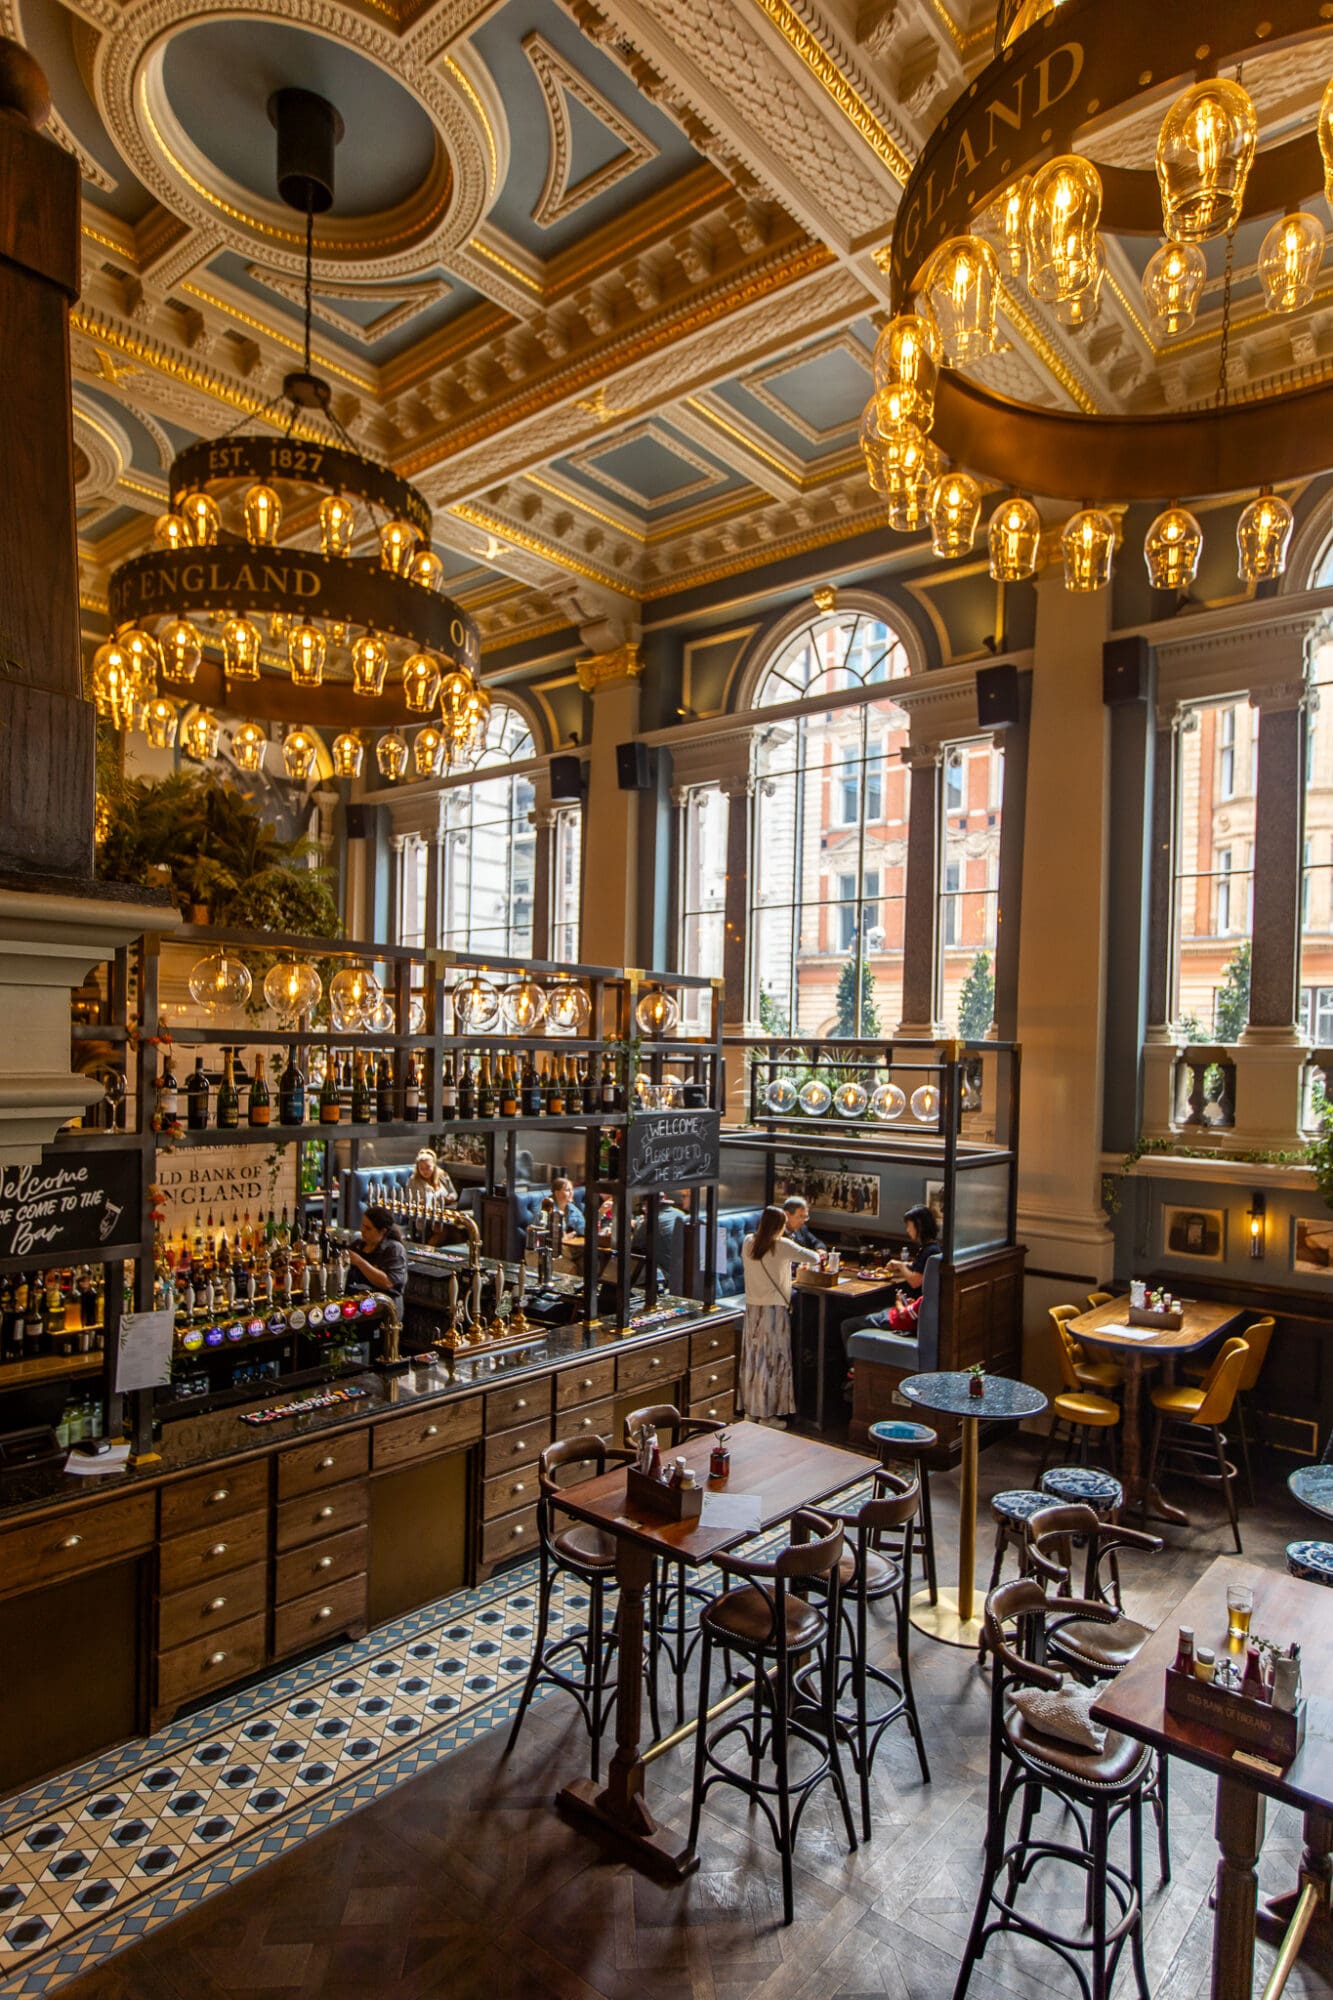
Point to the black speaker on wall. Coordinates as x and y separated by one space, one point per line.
1126 668
357 822
566 778
997 696
634 767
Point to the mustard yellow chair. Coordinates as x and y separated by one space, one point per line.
1077 1407
1180 1413
1256 1338
1096 1299
1104 1376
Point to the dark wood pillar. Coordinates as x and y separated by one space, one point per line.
1279 815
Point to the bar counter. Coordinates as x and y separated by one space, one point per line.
243 1545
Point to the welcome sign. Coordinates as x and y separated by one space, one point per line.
674 1149
69 1204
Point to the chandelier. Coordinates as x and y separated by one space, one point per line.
255 600
1007 212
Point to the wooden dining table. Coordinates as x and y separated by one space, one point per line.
1107 1327
813 1285
1285 1608
783 1472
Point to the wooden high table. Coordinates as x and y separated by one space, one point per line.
784 1472
1284 1609
811 1284
1107 1327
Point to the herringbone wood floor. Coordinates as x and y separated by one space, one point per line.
466 1883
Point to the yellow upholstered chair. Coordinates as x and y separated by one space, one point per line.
1102 1375
1096 1299
1080 1409
1256 1338
1183 1411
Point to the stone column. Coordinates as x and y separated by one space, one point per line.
543 816
434 912
398 843
611 878
1269 1069
921 904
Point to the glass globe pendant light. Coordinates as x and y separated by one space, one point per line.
352 993
159 720
391 754
907 364
814 1097
960 286
464 709
1014 540
170 531
568 1007
200 736
476 1005
657 1012
523 1006
398 545
200 513
1173 285
1205 150
337 522
421 683
381 1019
248 744
182 649
1088 544
887 1102
925 1103
427 745
1006 221
780 1097
292 989
370 663
1262 534
426 569
262 513
242 643
873 448
220 981
1062 216
300 748
307 649
117 688
850 1100
953 508
348 754
1080 309
910 489
1289 260
144 653
1172 549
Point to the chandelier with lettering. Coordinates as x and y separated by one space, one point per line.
1007 213
256 599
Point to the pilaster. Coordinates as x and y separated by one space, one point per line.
921 902
611 877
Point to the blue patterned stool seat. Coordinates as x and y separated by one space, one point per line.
1019 1506
1082 1484
1312 1561
900 1431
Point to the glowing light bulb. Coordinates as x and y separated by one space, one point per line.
1172 287
523 1006
391 754
398 545
182 649
1205 150
1062 216
907 362
1080 309
145 653
568 1007
200 736
201 517
292 989
814 1097
925 1103
220 981
426 747
337 523
171 531
476 1005
1006 221
1326 139
370 663
1172 549
850 1100
1289 260
1088 543
117 688
887 1102
1262 534
348 753
300 751
426 569
262 513
159 720
307 649
961 284
953 508
657 1012
248 744
421 683
242 643
1014 540
352 994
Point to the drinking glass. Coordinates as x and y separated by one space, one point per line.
1240 1604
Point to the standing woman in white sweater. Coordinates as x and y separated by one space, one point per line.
767 1257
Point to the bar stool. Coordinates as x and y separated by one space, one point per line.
1103 1375
1256 1338
905 1442
1181 1413
1095 1784
579 1550
1311 1561
770 1626
670 1637
1014 1510
870 1573
1081 1410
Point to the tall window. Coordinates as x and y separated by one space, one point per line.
829 868
1215 824
972 798
412 893
704 824
486 855
566 883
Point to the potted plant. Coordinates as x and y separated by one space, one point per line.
976 1379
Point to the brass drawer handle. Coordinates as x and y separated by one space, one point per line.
586 1383
218 1549
432 1430
71 1541
326 1611
586 1425
217 1604
223 1493
519 1486
325 1463
325 1562
325 1514
654 1361
713 1380
516 1532
216 1659
520 1445
522 1403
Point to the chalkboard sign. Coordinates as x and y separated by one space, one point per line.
674 1149
69 1205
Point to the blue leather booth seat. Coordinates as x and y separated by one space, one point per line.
357 1183
733 1226
920 1353
527 1207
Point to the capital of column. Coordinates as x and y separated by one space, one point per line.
600 670
740 785
923 756
1279 697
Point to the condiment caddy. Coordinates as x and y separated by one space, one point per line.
1157 1307
672 1491
1260 1706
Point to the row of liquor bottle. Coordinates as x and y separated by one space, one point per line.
214 1271
51 1313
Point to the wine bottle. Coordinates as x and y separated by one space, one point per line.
330 1098
291 1094
485 1089
508 1089
589 1088
168 1091
608 1083
260 1110
532 1090
555 1094
467 1095
413 1109
384 1092
229 1107
196 1098
448 1090
361 1098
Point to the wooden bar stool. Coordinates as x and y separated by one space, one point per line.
1256 1338
1181 1413
1081 1410
903 1442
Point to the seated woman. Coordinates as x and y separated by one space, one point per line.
572 1219
429 1179
909 1270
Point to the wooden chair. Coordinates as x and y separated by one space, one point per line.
1103 1376
1096 1299
1182 1412
1079 1409
1256 1338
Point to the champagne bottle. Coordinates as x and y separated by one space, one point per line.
532 1090
508 1089
555 1094
485 1089
196 1098
330 1099
608 1083
261 1103
229 1106
589 1088
291 1093
168 1091
467 1095
384 1092
448 1090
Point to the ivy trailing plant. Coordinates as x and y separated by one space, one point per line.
1318 1155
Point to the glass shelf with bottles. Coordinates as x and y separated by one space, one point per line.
270 1097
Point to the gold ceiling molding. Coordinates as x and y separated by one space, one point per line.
616 522
535 545
743 439
365 383
91 324
829 74
559 197
970 42
511 270
1049 356
600 670
779 550
465 85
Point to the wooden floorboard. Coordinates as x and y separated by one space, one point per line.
466 1883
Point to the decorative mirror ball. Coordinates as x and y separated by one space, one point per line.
780 1097
850 1100
523 1006
568 1007
476 1005
815 1098
887 1102
220 981
292 989
926 1104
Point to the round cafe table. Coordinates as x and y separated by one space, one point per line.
953 1618
1312 1485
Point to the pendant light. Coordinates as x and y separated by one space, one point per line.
1262 534
1172 548
337 520
170 531
199 737
427 569
1172 287
391 754
182 649
1014 540
1006 221
907 364
292 989
1204 153
262 514
117 685
398 545
1081 308
1062 216
347 753
1289 260
953 508
426 747
961 286
300 748
370 663
242 643
421 683
248 744
159 720
1088 543
200 514
1326 139
307 649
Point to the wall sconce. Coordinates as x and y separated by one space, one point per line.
1257 1212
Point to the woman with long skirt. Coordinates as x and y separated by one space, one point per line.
768 1255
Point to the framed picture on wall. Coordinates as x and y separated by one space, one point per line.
1195 1232
1312 1245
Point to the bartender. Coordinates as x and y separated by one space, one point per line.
378 1258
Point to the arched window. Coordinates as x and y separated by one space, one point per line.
488 858
829 865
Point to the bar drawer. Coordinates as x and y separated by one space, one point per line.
591 1420
666 1362
188 1671
590 1382
305 1468
319 1564
222 1495
311 1517
421 1434
341 1608
509 1536
523 1404
508 1449
712 1344
79 1539
209 1606
721 1408
509 1492
210 1552
710 1382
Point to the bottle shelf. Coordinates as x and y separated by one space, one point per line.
284 1135
47 1368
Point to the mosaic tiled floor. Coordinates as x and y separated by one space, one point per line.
113 1849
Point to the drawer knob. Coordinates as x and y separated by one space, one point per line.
655 1361
519 1486
586 1383
517 1532
216 1659
71 1541
325 1562
326 1513
586 1424
432 1430
217 1604
712 1380
522 1403
326 1611
325 1463
218 1549
223 1493
520 1446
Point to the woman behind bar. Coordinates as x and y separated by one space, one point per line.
767 1256
379 1256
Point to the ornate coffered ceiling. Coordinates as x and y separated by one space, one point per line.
602 275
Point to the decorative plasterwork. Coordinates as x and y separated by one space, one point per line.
760 383
401 304
599 670
590 462
560 83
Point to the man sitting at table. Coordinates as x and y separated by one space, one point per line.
797 1211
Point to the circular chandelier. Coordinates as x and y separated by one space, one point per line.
227 613
1006 211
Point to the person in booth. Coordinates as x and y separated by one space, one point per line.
378 1258
428 1177
572 1219
908 1271
797 1211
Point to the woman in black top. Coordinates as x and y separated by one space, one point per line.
379 1256
923 1232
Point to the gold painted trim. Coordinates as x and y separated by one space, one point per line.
196 378
771 552
118 245
503 263
827 73
366 383
462 81
1050 358
582 506
595 671
536 545
743 439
